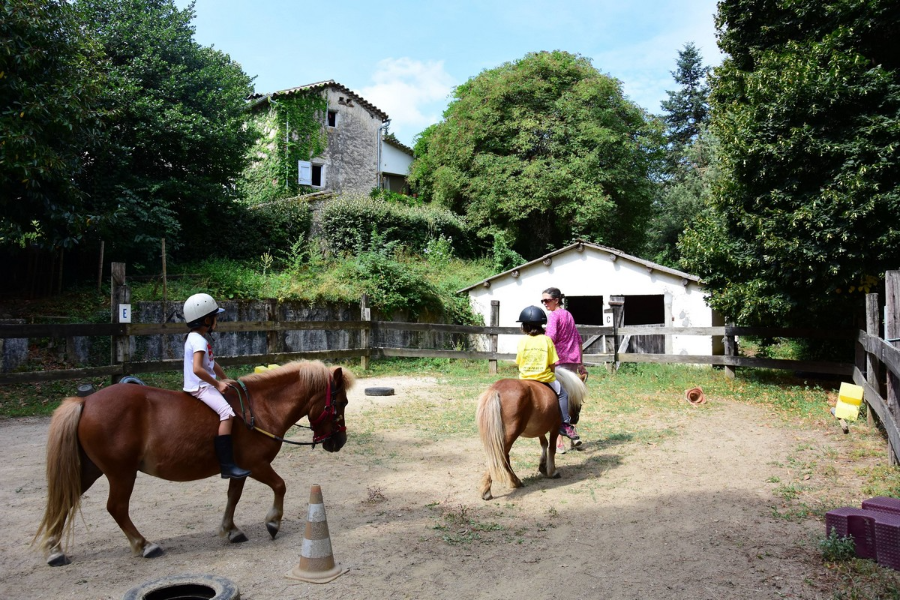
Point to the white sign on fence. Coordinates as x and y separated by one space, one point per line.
124 313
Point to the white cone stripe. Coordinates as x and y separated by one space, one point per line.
316 548
316 513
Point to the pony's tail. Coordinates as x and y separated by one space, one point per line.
490 428
575 387
63 474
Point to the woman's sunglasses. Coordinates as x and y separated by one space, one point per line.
546 300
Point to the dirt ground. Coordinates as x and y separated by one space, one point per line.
687 516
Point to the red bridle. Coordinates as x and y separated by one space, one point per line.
329 411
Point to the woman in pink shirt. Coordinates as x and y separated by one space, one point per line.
566 339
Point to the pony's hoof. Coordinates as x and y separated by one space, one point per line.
555 475
237 537
152 551
58 559
543 469
487 495
272 528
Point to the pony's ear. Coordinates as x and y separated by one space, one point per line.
338 375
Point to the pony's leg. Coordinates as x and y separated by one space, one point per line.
514 481
120 487
552 473
542 467
56 556
264 473
486 486
228 529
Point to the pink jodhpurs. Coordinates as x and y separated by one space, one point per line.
211 397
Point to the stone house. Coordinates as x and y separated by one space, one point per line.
345 150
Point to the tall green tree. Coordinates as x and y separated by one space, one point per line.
806 213
683 182
543 150
686 110
175 140
49 83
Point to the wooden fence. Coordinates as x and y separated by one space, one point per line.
876 369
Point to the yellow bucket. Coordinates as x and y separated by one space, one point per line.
850 397
264 368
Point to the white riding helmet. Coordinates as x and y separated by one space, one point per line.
198 306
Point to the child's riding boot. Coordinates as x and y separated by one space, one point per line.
225 454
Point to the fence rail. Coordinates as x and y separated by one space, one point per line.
873 352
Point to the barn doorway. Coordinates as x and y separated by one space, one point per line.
586 310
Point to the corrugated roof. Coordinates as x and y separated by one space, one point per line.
321 85
648 264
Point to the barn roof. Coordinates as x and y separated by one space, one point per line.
651 266
321 85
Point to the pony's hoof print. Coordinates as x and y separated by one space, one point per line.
152 551
238 538
58 560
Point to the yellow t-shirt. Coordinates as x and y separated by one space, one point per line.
535 355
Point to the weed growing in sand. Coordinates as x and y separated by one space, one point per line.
835 547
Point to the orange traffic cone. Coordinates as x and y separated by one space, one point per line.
316 560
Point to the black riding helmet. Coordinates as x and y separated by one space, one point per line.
532 314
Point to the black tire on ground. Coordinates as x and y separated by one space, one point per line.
379 391
186 586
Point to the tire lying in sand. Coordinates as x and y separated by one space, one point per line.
186 587
379 391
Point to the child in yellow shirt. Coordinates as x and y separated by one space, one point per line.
536 358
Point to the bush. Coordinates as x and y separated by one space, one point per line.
238 232
348 224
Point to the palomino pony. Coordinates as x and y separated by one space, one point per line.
513 408
126 428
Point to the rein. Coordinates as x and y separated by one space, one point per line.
329 410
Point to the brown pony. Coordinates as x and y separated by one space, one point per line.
126 428
513 408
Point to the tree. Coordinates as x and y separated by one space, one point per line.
683 182
175 140
687 109
49 83
805 212
544 149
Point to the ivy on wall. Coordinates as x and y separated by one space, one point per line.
291 129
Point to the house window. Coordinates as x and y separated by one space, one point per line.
311 174
317 171
332 118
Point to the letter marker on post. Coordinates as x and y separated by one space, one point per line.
316 558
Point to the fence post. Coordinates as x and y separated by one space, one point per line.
873 366
892 332
730 350
617 304
120 347
273 337
365 314
495 344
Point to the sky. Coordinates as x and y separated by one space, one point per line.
406 57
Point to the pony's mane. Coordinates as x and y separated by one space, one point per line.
312 373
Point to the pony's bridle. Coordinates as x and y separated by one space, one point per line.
330 410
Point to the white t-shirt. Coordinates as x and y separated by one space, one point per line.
194 343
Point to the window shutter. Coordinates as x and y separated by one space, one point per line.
305 169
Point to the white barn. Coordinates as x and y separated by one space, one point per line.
588 274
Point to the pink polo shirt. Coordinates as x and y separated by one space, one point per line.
561 329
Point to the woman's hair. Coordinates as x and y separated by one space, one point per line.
532 328
554 293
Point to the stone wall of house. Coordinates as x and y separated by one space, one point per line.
352 154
